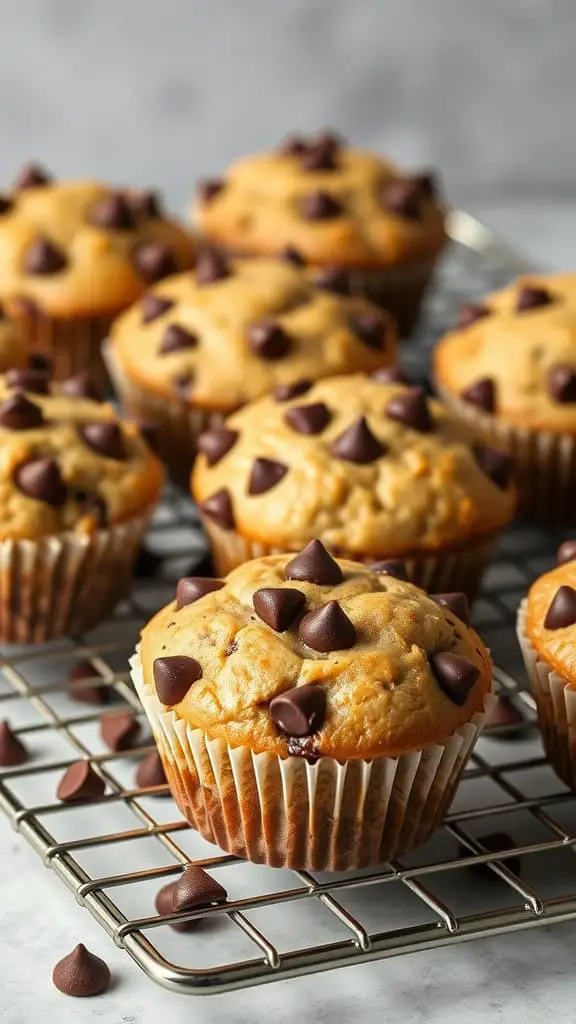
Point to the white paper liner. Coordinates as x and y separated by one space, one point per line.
556 705
289 813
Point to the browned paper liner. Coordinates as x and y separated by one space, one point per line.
288 813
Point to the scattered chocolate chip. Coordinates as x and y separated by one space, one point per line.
153 306
37 361
562 611
173 677
218 507
333 279
493 843
211 267
309 419
150 772
404 198
119 730
208 188
320 206
146 202
561 381
389 375
153 261
300 711
19 413
470 313
320 155
12 750
196 888
191 588
457 603
455 675
81 385
104 438
411 409
481 393
32 175
94 692
284 392
358 444
43 257
292 145
91 504
265 474
371 329
6 204
566 552
164 903
175 339
279 607
304 746
40 478
293 255
327 628
532 297
113 212
81 973
268 340
216 443
35 381
496 465
80 784
391 567
506 716
314 565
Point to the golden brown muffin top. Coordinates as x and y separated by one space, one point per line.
233 329
312 656
551 614
514 355
82 248
334 204
369 467
67 462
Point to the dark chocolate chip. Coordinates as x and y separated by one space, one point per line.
506 716
153 261
566 552
561 381
497 466
327 628
371 329
175 339
32 175
320 155
279 607
358 444
218 508
404 198
293 255
292 145
562 611
196 888
12 750
494 843
35 381
40 478
455 675
81 385
92 692
481 393
113 212
81 973
19 413
43 257
37 361
265 474
119 730
268 340
320 206
153 306
150 772
314 565
211 267
455 602
411 409
390 375
333 279
300 711
216 443
164 903
173 677
470 313
284 392
6 204
80 784
309 419
532 297
192 588
208 188
428 183
105 438
391 567
146 202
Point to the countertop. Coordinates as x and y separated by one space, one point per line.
524 977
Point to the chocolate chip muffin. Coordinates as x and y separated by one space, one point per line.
508 372
371 466
311 712
75 253
77 488
199 345
358 222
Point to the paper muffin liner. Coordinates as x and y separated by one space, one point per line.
67 583
286 812
400 290
545 461
447 570
555 703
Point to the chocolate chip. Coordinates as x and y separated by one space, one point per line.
320 206
19 413
309 419
314 565
411 409
455 602
32 175
81 385
80 784
358 444
218 508
173 677
561 381
389 375
40 478
428 183
481 393
268 340
153 306
391 567
94 692
208 188
494 843
216 443
371 329
81 973
566 552
36 381
164 903
146 202
43 257
404 198
300 711
333 279
265 474
470 313
320 155
506 716
293 255
12 750
211 267
327 628
153 261
284 392
292 145
6 204
532 297
175 339
119 730
455 675
105 438
496 465
150 772
37 361
113 212
279 607
196 888
562 611
192 588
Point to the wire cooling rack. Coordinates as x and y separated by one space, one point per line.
502 861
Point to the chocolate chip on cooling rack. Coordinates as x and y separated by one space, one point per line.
507 717
12 750
81 973
411 409
300 711
119 730
481 393
113 212
164 903
153 261
455 675
358 444
562 610
40 478
80 784
192 588
44 257
153 306
93 692
176 339
309 419
265 474
391 567
269 340
455 602
19 413
279 607
314 565
173 677
327 629
216 443
150 772
196 888
104 438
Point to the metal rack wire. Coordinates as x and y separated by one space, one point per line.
114 855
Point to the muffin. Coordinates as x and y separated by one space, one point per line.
77 488
199 345
359 223
72 255
508 372
547 636
310 712
371 466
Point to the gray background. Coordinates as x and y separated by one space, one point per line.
160 91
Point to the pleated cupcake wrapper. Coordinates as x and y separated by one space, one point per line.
65 584
179 424
556 705
289 813
545 461
445 571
